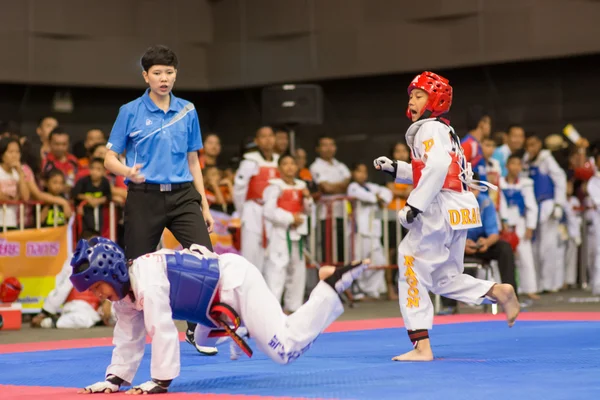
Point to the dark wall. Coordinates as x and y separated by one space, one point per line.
366 115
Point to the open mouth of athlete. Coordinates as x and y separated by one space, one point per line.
414 112
164 87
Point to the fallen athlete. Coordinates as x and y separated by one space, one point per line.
219 292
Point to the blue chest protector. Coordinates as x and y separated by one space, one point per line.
543 186
514 197
193 287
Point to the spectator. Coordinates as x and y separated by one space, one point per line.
370 198
499 138
211 150
303 172
480 126
332 178
218 190
83 149
519 214
251 180
287 203
95 191
493 170
13 186
282 140
40 149
96 151
55 186
60 158
515 140
550 187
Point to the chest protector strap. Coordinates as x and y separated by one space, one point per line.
221 313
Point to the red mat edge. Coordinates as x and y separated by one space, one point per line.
338 326
10 392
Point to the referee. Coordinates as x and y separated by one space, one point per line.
160 135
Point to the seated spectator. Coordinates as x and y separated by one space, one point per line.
13 185
54 214
39 149
59 157
95 191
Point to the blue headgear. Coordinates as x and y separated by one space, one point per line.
106 264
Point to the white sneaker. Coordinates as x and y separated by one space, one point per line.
204 350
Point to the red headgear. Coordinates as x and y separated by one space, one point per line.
438 89
585 172
10 290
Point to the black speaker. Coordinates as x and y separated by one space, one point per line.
292 104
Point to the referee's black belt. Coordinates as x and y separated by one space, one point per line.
158 187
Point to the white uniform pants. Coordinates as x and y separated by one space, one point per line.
548 252
372 281
285 271
526 267
283 338
431 258
571 258
252 247
77 314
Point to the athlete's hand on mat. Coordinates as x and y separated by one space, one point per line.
135 175
210 222
100 387
386 165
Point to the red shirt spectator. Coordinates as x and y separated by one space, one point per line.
60 158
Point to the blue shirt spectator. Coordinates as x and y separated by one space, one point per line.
489 219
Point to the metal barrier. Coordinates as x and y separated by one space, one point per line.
78 225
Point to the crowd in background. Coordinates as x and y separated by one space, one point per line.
70 179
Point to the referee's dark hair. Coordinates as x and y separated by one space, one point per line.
159 55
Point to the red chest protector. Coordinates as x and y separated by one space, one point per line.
86 296
291 200
452 181
260 181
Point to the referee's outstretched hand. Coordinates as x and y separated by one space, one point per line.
134 174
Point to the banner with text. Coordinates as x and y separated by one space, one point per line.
34 257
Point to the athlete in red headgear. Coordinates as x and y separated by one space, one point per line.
437 214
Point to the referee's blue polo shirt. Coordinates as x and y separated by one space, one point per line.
157 140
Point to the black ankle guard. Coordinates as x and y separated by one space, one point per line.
164 384
115 380
418 335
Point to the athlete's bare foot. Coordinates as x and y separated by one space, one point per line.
533 296
421 353
505 295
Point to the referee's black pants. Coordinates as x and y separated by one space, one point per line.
148 211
